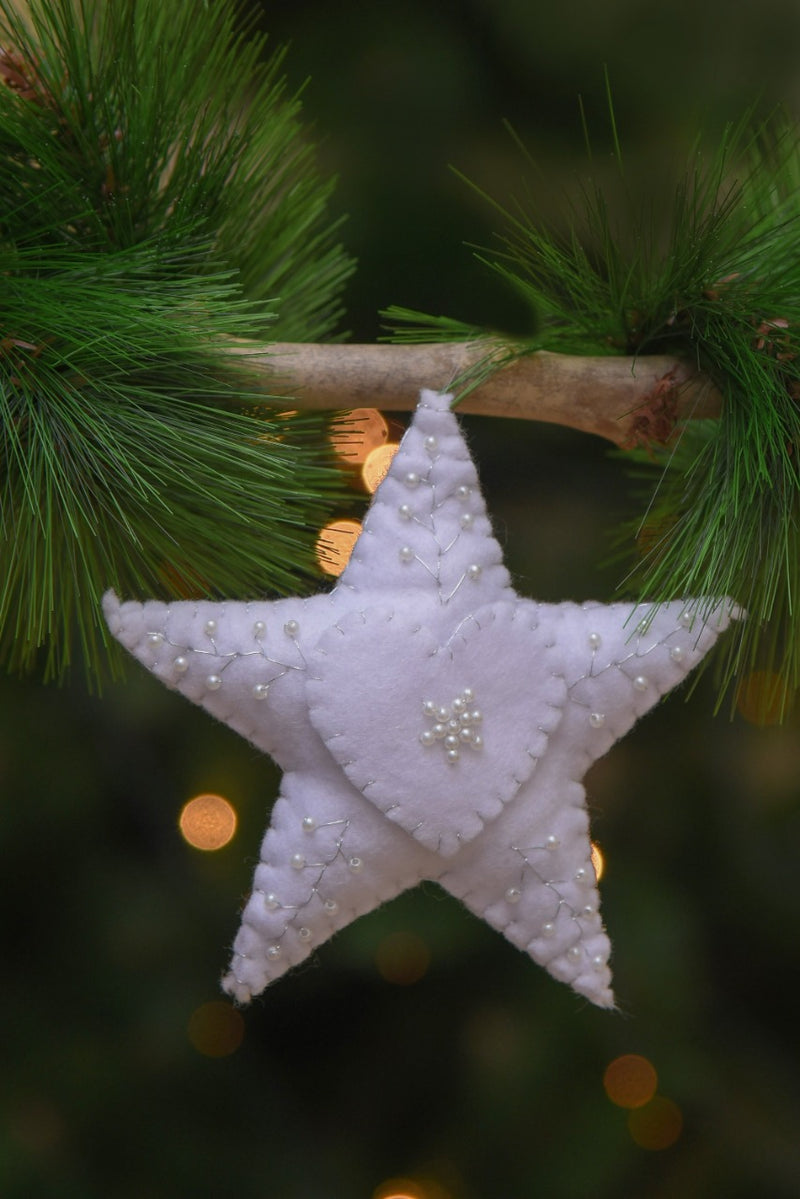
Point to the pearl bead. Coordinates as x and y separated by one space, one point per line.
406 553
304 934
291 628
685 619
552 842
271 901
210 628
355 864
261 690
431 445
466 520
640 683
213 682
274 952
331 906
513 895
181 664
297 861
411 479
574 953
404 512
548 929
474 572
597 720
259 628
463 492
155 639
676 653
453 724
580 875
309 824
595 640
588 911
598 963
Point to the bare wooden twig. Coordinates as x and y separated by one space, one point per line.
613 397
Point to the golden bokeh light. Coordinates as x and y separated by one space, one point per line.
598 861
630 1080
402 958
36 1124
377 463
408 1188
398 1188
356 434
182 581
763 697
335 545
657 1125
207 822
652 540
216 1029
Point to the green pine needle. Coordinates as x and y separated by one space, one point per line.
406 326
159 202
714 279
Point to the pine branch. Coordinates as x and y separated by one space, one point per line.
714 280
159 204
158 198
625 400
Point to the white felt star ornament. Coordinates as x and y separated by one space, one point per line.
430 723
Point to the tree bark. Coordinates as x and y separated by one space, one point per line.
621 399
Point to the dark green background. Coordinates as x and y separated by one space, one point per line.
486 1075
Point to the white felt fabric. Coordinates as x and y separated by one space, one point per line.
387 755
430 723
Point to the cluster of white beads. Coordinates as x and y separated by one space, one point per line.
455 725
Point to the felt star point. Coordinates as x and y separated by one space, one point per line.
430 723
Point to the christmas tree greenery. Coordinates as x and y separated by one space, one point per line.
166 250
712 282
159 200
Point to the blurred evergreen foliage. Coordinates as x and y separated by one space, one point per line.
161 205
483 1080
